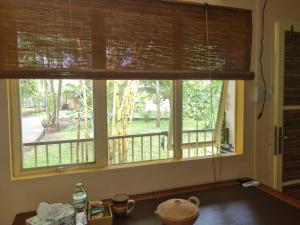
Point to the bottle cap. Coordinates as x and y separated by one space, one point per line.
79 184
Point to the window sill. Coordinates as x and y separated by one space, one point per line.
97 169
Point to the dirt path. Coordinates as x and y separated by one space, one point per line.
31 128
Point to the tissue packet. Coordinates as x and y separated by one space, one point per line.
66 217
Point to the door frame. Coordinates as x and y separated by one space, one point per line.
278 81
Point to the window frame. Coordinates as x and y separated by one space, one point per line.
101 135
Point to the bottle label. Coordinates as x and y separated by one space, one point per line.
80 204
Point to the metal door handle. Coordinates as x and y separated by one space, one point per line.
281 140
276 140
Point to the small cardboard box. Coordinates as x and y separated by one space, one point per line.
106 219
66 217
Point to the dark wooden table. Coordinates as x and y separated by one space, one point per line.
225 204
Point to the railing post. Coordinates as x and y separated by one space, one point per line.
150 147
47 155
159 147
35 156
205 141
82 152
132 148
59 153
142 148
189 141
71 152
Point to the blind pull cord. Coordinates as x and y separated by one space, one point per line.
211 91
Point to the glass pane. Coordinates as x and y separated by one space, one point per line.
57 122
139 120
201 103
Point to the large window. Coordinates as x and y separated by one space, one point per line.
66 124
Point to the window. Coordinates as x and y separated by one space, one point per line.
139 120
208 118
57 125
65 125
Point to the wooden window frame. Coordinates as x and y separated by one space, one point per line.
101 136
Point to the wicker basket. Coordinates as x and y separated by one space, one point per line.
179 211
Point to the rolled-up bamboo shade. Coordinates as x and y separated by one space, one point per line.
123 39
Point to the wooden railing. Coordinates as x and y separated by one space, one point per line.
155 146
121 149
139 147
52 153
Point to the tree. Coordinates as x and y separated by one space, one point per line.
82 94
56 104
30 90
197 101
121 100
158 91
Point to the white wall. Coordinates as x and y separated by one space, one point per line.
20 196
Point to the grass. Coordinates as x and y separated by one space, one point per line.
68 155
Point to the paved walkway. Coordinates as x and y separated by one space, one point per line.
31 128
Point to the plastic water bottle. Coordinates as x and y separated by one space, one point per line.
80 204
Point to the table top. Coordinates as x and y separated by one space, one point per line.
225 205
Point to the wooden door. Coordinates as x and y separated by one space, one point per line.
287 123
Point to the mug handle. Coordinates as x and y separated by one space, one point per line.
194 200
130 205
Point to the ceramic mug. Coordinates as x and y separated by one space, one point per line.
122 205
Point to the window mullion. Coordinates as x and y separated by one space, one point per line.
100 121
177 118
15 125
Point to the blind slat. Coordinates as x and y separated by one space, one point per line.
135 38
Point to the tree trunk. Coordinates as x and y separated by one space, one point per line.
157 100
58 104
78 132
47 102
54 106
122 130
171 125
85 113
113 116
132 102
113 121
118 118
129 95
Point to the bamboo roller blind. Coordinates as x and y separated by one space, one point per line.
123 39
